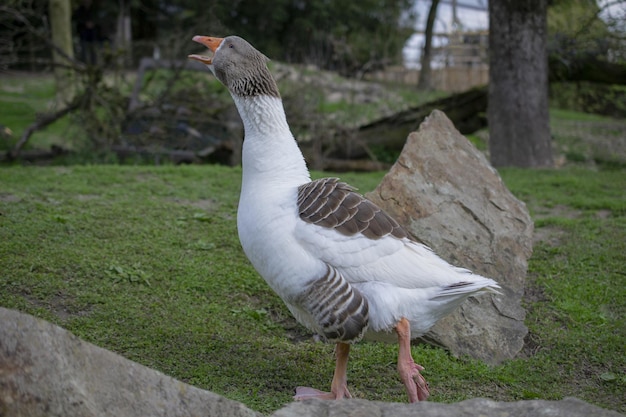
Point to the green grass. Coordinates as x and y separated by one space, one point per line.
576 292
145 261
561 114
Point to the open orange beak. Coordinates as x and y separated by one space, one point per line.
211 43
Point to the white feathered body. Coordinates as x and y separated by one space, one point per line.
398 277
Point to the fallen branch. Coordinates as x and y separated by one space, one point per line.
176 156
39 155
466 110
353 165
44 120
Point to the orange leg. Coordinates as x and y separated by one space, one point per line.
339 386
414 382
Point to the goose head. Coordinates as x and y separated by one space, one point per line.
237 65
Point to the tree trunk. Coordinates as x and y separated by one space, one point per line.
519 131
425 81
123 35
61 28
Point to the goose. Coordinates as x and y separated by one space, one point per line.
344 268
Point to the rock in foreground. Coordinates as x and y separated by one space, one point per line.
47 371
569 407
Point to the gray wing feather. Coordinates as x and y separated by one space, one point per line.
327 202
340 311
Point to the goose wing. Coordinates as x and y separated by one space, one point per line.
364 243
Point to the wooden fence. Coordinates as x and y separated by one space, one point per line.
451 79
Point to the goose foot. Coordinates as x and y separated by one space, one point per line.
339 386
415 384
305 393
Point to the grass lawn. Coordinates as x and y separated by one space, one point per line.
145 261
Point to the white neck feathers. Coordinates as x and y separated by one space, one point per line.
269 148
262 115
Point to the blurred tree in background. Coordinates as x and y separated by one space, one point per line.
578 34
584 45
348 36
587 55
351 37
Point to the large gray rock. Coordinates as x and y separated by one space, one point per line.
46 371
569 407
444 191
